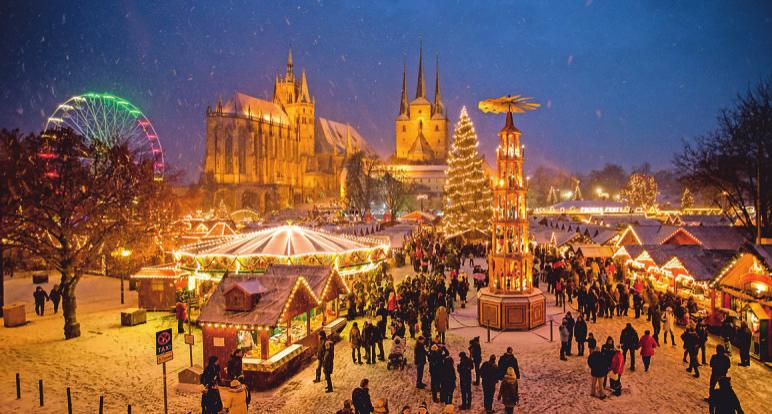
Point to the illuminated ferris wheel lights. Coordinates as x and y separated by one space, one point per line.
109 120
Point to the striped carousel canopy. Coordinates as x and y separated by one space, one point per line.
286 240
288 244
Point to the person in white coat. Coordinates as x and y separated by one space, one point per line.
668 322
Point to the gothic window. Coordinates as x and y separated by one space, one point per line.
420 125
228 153
242 153
437 128
404 128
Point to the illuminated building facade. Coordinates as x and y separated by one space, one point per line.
267 155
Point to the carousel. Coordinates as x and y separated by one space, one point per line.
255 252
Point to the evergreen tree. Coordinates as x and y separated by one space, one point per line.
687 199
467 190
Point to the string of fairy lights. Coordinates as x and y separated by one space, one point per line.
467 195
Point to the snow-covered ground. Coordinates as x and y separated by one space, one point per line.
119 363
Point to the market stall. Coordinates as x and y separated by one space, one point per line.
274 317
743 289
158 286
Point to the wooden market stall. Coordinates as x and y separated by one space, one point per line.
275 317
743 289
158 286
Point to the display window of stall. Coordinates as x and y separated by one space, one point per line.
277 340
247 342
298 327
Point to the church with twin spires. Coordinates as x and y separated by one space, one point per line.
422 125
422 141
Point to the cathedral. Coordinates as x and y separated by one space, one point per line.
268 155
421 141
421 126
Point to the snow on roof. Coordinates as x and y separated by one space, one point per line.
700 263
417 216
242 104
595 251
278 283
335 135
287 240
718 237
252 287
159 272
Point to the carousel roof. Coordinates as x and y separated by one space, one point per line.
288 240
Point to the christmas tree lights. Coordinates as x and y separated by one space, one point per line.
467 191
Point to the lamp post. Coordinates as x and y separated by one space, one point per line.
124 253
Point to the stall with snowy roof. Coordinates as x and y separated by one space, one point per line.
275 317
742 288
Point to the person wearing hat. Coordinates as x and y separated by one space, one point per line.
234 398
406 410
422 409
508 391
435 371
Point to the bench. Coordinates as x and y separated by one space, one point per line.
334 328
133 316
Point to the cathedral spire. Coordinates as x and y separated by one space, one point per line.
403 103
438 106
420 91
290 69
304 95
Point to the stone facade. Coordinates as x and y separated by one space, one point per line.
268 155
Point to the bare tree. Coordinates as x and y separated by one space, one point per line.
361 180
733 161
395 192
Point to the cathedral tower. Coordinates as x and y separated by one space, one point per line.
294 98
421 127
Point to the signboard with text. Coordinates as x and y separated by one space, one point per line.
163 346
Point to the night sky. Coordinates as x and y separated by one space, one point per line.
620 82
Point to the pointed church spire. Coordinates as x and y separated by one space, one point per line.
420 91
290 69
219 104
304 95
438 106
403 103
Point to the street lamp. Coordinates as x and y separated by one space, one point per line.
124 253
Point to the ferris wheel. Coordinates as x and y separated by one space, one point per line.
110 120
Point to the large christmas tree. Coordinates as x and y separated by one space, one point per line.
467 190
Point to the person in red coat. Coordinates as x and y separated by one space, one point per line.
617 369
181 312
647 345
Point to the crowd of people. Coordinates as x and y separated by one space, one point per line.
601 291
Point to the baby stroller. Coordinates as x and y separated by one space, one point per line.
397 358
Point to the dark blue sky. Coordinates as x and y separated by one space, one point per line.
619 81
